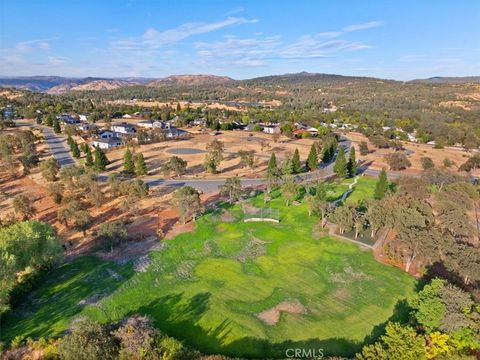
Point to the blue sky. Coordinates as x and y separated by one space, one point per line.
389 39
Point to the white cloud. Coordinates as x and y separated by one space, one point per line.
154 39
364 26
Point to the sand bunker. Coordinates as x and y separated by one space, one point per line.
272 316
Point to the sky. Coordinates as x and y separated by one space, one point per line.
403 40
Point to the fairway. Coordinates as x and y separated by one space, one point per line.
242 289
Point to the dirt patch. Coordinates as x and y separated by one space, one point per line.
272 316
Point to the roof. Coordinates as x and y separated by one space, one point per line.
110 141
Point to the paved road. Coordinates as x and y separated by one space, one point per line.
58 146
56 142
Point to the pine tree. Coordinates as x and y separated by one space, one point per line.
381 186
56 126
352 163
140 166
340 167
70 142
128 164
75 150
312 160
288 167
88 158
101 160
272 165
321 191
296 164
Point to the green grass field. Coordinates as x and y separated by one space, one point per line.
207 287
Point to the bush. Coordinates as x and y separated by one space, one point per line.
88 341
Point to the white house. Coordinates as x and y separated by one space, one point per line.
124 128
271 129
313 131
86 127
107 143
174 133
106 134
83 117
127 116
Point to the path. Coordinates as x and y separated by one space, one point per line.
331 231
346 193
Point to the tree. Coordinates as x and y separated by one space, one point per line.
138 339
187 201
140 165
49 169
247 158
176 165
381 186
56 190
363 147
128 164
88 341
101 160
56 126
398 343
22 206
214 156
273 172
376 216
25 248
296 163
232 188
345 216
75 150
289 190
88 157
83 221
352 163
340 167
112 234
312 159
398 161
429 309
427 163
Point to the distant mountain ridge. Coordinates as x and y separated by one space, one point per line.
448 80
59 85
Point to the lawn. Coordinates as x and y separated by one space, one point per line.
207 288
364 189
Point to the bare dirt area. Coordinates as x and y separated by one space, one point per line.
377 161
272 316
262 144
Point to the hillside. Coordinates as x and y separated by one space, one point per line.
190 80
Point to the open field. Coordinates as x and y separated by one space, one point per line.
244 289
156 154
416 151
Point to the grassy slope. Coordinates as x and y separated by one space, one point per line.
197 289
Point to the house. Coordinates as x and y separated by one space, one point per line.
199 122
86 127
313 131
106 134
251 127
271 129
127 116
83 117
68 119
124 128
174 133
107 143
412 137
153 124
